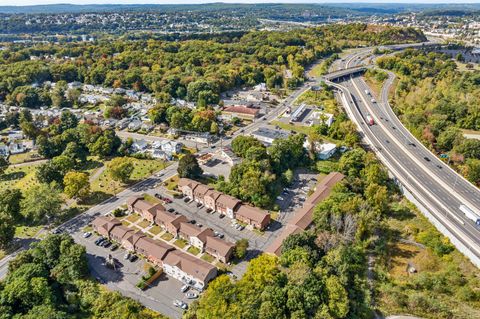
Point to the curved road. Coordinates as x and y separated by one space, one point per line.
433 183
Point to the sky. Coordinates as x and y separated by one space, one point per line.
35 2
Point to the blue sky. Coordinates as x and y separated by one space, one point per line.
33 2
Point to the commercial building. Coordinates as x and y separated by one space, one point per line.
268 135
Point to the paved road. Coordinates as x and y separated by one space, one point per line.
434 184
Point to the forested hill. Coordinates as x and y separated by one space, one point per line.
190 69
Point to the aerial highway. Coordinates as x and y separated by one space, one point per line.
434 185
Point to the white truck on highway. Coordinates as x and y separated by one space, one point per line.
470 214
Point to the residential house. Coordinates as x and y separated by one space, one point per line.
219 248
154 250
4 150
130 240
229 156
186 268
139 145
134 125
196 236
15 135
159 154
144 208
119 232
210 199
103 225
252 216
16 147
187 186
170 221
199 193
226 205
171 147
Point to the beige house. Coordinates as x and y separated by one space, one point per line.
199 193
196 236
170 221
103 225
186 268
226 205
130 240
210 199
155 251
186 186
219 248
254 217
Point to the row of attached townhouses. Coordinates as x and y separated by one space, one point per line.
175 263
224 204
178 225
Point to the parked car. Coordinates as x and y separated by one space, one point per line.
107 244
157 195
167 200
171 210
191 295
87 234
127 256
193 222
133 258
221 216
186 199
199 204
99 241
177 303
184 288
114 247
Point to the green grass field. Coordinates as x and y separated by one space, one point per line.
143 168
19 177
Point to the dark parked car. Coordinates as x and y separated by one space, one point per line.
107 244
157 195
193 221
133 258
171 210
114 247
221 216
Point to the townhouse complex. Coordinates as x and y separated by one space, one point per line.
303 217
253 217
174 263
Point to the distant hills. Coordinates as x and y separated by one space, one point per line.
345 8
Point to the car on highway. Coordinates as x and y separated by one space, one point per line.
427 159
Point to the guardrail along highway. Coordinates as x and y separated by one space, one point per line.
436 188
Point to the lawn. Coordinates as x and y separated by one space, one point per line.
208 258
193 250
292 127
322 99
155 230
167 236
26 231
144 224
24 157
180 243
20 177
143 168
133 218
172 182
151 199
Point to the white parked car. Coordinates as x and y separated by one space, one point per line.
184 288
191 295
87 234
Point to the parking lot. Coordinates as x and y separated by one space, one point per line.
159 296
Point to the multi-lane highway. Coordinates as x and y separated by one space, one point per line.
433 183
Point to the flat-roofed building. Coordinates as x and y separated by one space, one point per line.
242 112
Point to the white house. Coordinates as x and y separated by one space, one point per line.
171 147
4 151
15 135
159 154
16 147
135 125
139 145
326 150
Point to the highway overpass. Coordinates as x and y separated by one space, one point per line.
344 73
